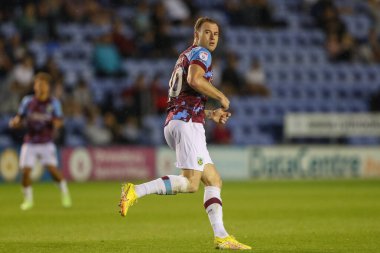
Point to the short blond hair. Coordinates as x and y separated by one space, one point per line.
43 76
200 21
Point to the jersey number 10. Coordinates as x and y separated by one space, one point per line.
175 83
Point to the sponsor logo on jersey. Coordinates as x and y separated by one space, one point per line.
203 56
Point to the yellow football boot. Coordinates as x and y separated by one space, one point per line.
128 198
66 200
229 242
26 205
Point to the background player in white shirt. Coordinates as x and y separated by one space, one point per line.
189 88
42 115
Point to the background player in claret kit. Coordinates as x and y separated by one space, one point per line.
42 115
189 88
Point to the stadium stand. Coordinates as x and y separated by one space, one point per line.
292 50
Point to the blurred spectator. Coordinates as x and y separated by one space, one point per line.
159 15
163 42
48 12
340 52
112 125
255 81
326 16
374 10
96 133
142 19
130 131
74 123
138 99
58 91
99 16
107 60
257 13
252 13
15 48
370 52
74 11
27 23
125 45
177 11
82 95
21 78
233 9
159 95
146 45
221 135
52 68
5 61
231 81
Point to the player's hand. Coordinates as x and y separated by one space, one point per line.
15 122
225 103
220 116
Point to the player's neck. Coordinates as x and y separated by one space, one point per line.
42 99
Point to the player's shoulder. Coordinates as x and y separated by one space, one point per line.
200 52
27 99
54 99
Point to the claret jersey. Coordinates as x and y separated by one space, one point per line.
39 117
185 103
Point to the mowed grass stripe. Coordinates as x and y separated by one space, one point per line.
272 216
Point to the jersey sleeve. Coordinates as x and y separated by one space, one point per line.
22 109
202 57
57 109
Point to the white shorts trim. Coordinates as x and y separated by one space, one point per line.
45 152
188 139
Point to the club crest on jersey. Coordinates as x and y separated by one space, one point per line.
203 56
200 160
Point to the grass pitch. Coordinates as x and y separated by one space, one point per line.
276 216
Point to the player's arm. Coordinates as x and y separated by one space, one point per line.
57 123
196 80
16 122
57 115
218 116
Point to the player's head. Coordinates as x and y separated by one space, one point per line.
206 33
42 86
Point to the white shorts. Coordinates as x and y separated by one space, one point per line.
188 139
45 152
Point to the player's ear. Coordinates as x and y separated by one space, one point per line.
196 36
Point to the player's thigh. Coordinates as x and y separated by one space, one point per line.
191 146
28 156
211 177
48 154
169 135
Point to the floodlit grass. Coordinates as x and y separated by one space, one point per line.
271 216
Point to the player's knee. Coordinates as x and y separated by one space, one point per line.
217 182
220 183
26 171
193 187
